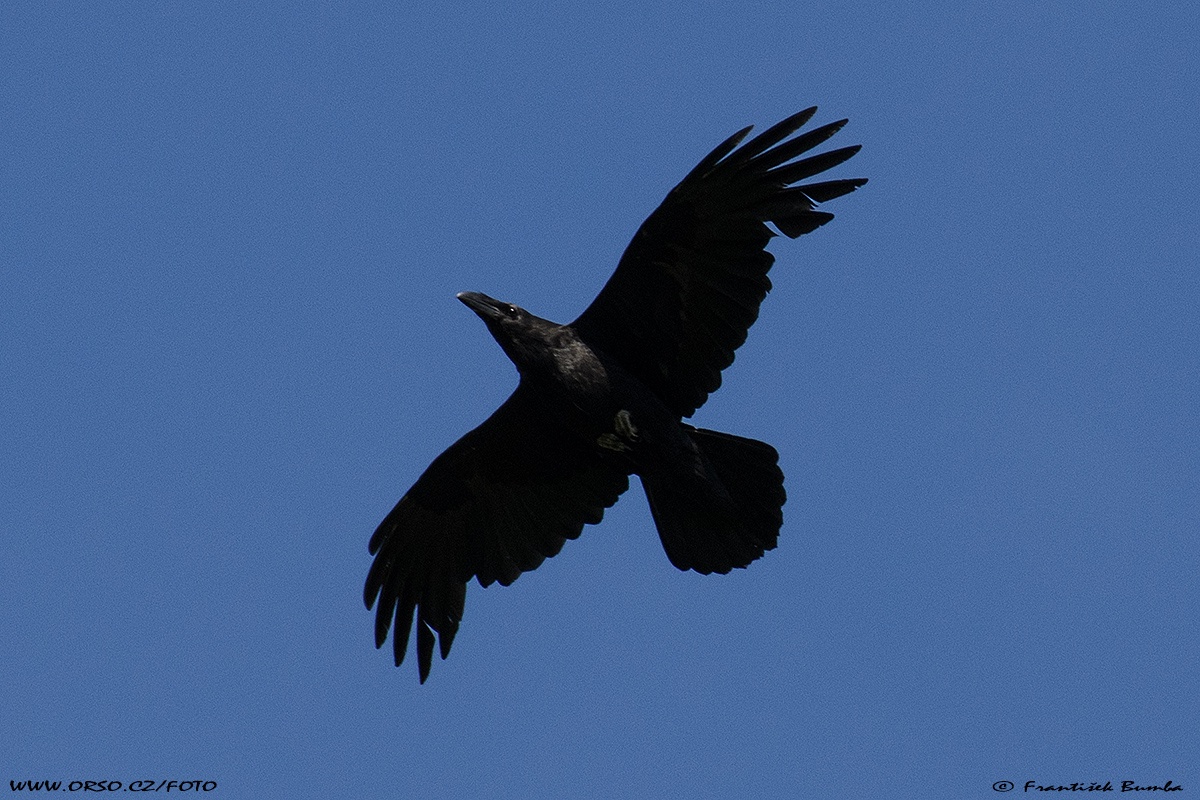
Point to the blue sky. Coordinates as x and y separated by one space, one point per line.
229 343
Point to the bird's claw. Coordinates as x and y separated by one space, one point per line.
624 432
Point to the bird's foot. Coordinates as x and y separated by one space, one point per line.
623 434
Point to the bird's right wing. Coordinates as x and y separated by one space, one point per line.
495 504
690 283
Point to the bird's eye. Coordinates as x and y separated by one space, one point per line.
511 311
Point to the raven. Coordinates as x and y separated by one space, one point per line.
603 398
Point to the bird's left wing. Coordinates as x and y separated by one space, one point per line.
495 504
690 283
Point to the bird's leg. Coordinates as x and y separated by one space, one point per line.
623 425
623 433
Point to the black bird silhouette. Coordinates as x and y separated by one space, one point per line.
603 398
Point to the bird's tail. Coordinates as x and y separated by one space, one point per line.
726 517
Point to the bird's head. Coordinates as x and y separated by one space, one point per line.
527 339
492 311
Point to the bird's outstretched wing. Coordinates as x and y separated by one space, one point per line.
497 503
690 283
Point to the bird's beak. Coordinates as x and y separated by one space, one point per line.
488 308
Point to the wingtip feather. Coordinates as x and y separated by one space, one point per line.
719 152
773 135
424 649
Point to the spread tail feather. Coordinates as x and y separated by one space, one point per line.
725 515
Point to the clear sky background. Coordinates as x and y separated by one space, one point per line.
231 235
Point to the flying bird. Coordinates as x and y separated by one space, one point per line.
604 397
